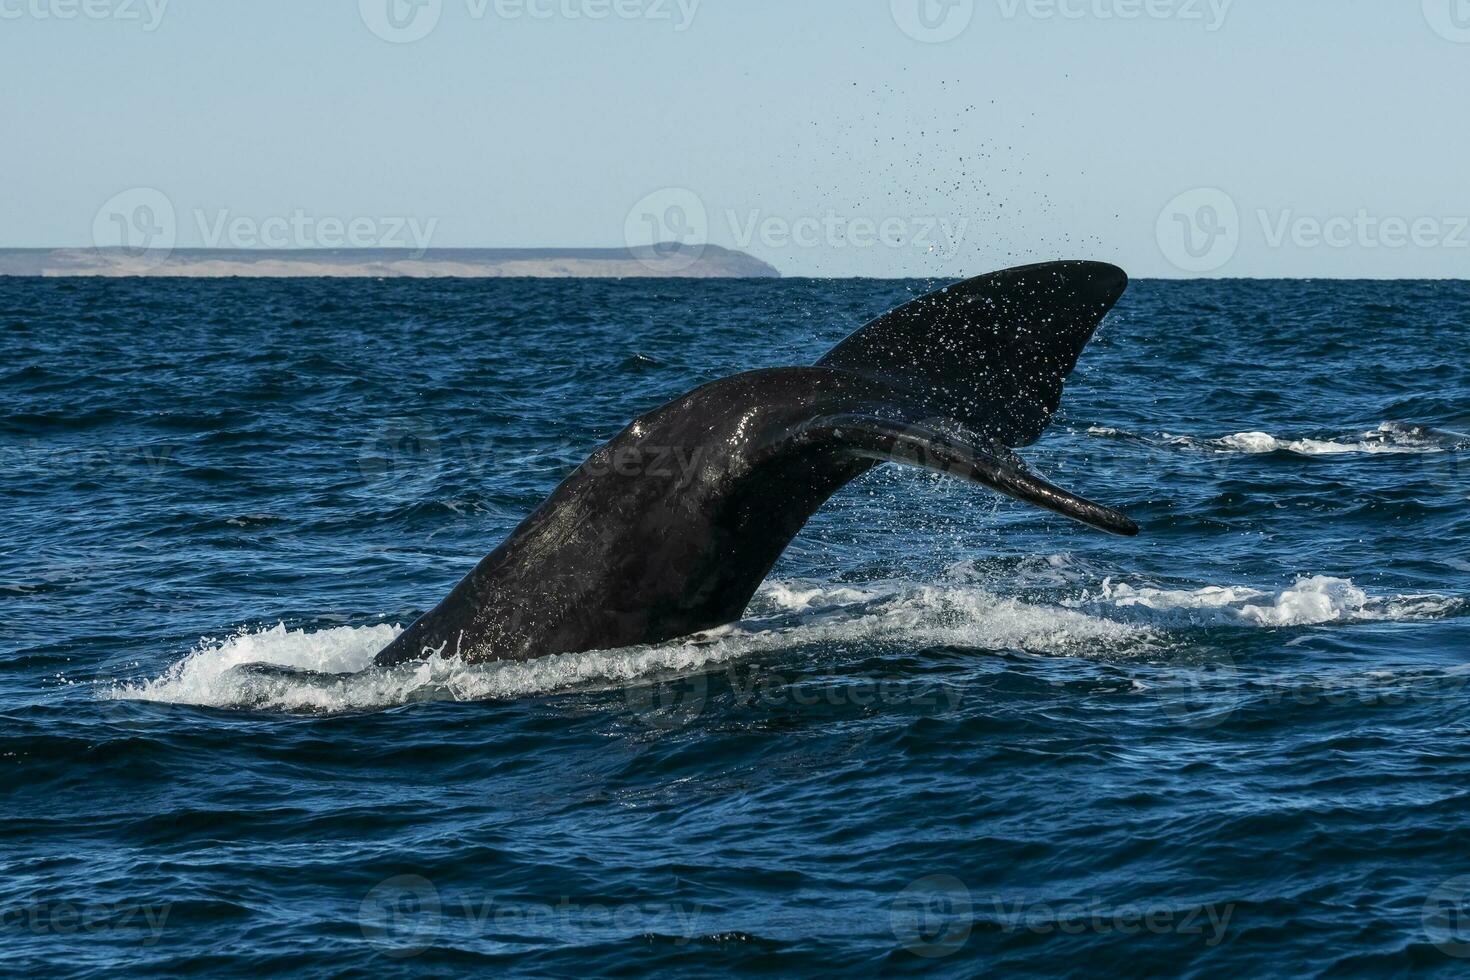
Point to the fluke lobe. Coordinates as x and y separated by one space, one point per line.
670 528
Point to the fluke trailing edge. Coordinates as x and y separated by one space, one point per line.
670 528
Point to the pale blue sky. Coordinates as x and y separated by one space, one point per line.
1038 131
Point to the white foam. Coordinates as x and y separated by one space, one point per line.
1311 601
1389 437
795 596
1262 442
796 614
958 615
959 611
208 675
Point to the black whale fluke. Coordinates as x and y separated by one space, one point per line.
670 528
990 352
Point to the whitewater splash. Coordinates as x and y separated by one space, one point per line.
785 615
1387 438
1312 601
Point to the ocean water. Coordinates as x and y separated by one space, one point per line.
953 734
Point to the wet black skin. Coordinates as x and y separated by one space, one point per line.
669 529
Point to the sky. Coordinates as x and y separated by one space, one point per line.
886 138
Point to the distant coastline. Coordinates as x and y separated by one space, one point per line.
680 261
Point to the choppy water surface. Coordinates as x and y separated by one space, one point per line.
952 734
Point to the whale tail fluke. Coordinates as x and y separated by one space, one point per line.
984 362
990 352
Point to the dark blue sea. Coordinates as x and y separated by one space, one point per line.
953 734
